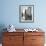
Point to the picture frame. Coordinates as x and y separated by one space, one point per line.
26 13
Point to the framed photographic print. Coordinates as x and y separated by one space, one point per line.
26 13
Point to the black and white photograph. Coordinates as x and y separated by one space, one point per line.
26 13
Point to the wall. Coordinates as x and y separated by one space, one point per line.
10 13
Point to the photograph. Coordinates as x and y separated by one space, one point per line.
26 13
